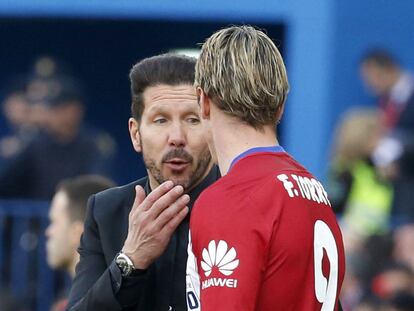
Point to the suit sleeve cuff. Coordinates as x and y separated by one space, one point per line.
128 290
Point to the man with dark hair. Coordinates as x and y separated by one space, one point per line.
264 236
393 85
67 214
134 248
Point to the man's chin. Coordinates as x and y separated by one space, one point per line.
180 181
182 174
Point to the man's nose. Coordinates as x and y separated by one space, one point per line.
177 136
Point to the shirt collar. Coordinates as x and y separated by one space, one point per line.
255 150
206 182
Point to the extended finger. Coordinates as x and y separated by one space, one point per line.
165 201
171 211
156 194
174 222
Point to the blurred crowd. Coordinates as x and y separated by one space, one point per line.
371 179
47 148
47 137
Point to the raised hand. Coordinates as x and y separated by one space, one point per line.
152 221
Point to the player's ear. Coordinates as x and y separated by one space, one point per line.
134 134
204 103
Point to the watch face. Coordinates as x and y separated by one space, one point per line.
123 265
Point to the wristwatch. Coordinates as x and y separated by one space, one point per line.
125 264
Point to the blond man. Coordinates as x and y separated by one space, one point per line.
264 236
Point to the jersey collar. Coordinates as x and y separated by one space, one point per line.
256 150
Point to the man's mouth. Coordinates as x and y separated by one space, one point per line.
176 164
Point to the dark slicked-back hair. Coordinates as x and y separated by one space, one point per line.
380 58
78 191
170 69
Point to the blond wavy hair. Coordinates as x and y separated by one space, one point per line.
242 71
357 134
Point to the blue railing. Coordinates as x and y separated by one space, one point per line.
23 267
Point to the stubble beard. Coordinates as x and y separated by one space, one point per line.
188 181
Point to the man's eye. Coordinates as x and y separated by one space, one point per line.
160 120
193 120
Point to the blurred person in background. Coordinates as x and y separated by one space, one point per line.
63 148
394 155
391 280
363 197
394 87
375 275
363 266
403 252
21 108
356 190
402 301
67 214
133 250
23 120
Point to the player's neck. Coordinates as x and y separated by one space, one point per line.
233 138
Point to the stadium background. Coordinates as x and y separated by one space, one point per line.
322 42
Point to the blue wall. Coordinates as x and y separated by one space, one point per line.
324 41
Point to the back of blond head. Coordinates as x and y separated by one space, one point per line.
356 135
242 71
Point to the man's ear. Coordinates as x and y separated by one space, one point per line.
204 102
134 134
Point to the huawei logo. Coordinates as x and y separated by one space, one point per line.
219 256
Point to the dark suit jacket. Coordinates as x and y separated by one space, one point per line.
406 119
98 284
404 183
